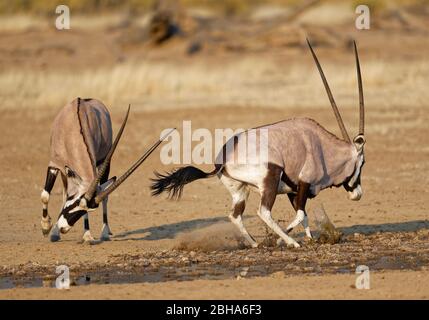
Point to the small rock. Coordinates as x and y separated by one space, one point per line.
244 271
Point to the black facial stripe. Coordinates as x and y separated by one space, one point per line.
357 182
74 216
66 210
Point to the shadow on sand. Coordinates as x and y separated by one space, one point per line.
368 229
170 231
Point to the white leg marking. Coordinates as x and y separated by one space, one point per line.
298 219
265 215
87 237
45 198
239 223
306 227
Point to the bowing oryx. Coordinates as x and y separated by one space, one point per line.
81 150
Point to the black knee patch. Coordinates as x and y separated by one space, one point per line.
50 178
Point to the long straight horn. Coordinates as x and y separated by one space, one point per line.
93 187
121 179
361 101
331 98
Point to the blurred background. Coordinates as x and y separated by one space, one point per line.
193 54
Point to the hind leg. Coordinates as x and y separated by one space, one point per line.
46 222
239 192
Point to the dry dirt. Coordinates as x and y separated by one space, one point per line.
188 249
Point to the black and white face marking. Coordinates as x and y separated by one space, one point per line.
353 185
74 208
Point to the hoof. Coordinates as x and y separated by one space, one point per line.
294 245
46 224
87 237
45 232
254 245
105 233
55 238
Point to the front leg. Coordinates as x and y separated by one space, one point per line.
87 237
105 232
105 182
299 201
268 197
46 222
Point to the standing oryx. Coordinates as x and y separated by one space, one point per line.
303 159
81 149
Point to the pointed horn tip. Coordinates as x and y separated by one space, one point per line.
167 134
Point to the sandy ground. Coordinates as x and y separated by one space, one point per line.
393 201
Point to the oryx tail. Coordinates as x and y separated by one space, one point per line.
174 181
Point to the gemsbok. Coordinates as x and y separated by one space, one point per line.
81 150
303 159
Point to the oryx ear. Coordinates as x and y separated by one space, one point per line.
71 174
359 142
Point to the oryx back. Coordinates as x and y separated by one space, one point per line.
81 137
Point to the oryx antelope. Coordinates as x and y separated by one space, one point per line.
81 150
303 159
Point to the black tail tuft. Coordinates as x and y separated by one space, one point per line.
175 181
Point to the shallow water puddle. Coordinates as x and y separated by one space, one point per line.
196 271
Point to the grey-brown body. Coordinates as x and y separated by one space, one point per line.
302 148
81 137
